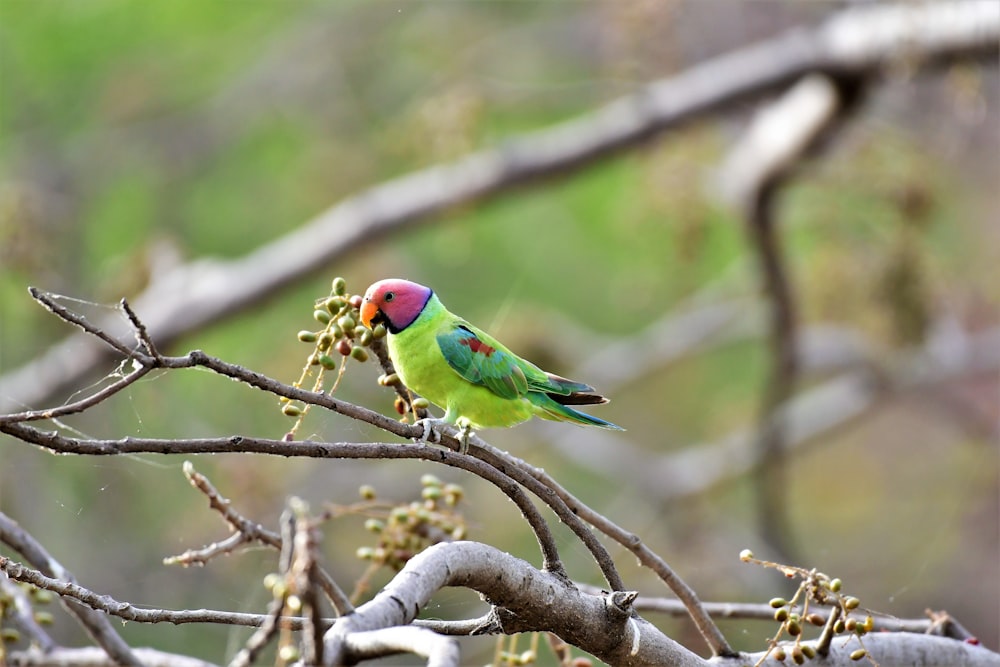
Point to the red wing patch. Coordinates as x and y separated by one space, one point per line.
477 346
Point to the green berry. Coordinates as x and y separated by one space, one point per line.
778 602
359 353
339 286
291 410
347 323
367 492
321 316
307 336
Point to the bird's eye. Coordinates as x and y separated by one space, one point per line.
389 296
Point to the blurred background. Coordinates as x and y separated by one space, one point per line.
137 136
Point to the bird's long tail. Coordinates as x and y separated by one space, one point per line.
555 407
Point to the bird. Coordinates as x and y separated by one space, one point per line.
478 382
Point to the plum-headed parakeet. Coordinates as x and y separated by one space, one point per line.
478 381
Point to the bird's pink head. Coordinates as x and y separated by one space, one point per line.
394 303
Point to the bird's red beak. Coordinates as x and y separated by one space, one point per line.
368 312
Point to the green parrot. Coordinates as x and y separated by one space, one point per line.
475 379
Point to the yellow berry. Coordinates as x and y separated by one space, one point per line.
429 480
289 653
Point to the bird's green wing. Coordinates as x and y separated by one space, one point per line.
483 361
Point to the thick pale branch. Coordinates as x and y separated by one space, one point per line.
440 651
524 599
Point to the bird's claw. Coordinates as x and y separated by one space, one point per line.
463 440
429 433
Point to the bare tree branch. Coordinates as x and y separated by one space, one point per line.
524 598
440 651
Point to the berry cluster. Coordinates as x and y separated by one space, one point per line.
818 590
405 529
342 336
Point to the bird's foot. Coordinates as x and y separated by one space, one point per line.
430 433
463 440
433 427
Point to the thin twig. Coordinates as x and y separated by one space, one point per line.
141 334
83 404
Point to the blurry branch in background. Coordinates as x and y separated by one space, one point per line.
95 623
857 43
19 610
861 382
761 163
